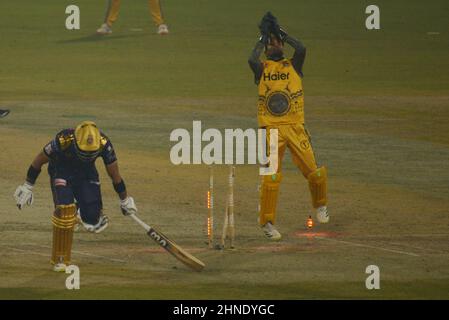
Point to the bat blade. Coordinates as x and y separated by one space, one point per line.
171 247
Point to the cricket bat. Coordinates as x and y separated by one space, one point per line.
175 250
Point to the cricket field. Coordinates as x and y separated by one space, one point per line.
376 104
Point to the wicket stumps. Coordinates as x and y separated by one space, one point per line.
228 224
210 209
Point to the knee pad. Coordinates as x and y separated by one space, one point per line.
89 202
268 198
64 220
62 192
318 186
90 213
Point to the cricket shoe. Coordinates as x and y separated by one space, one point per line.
3 113
102 224
322 215
59 267
162 29
270 232
104 29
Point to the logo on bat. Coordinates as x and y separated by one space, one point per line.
157 237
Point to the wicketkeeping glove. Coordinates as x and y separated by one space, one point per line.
264 28
24 195
128 206
269 25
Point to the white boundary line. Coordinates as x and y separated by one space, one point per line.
28 252
98 256
369 246
408 235
90 255
74 251
419 248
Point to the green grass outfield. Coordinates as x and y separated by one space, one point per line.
377 105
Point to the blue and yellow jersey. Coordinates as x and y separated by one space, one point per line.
62 153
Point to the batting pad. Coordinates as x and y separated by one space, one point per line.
64 219
318 187
269 198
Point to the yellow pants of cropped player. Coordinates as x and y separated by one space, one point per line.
297 140
114 7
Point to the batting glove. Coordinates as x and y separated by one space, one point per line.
24 195
128 206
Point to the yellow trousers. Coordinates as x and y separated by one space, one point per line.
297 140
114 7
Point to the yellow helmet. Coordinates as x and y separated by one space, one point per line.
87 141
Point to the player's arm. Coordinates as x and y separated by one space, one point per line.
300 51
24 193
117 181
254 61
36 167
110 161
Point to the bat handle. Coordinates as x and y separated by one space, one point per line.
140 222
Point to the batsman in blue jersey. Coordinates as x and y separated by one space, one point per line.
75 185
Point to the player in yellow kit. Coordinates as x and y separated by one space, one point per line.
113 10
281 107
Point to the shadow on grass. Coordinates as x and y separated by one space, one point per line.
98 38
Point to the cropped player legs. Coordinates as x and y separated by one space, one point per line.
270 186
112 11
156 12
88 197
64 220
302 154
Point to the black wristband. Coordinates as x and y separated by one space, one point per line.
32 174
119 187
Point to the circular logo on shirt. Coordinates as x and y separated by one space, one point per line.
278 103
